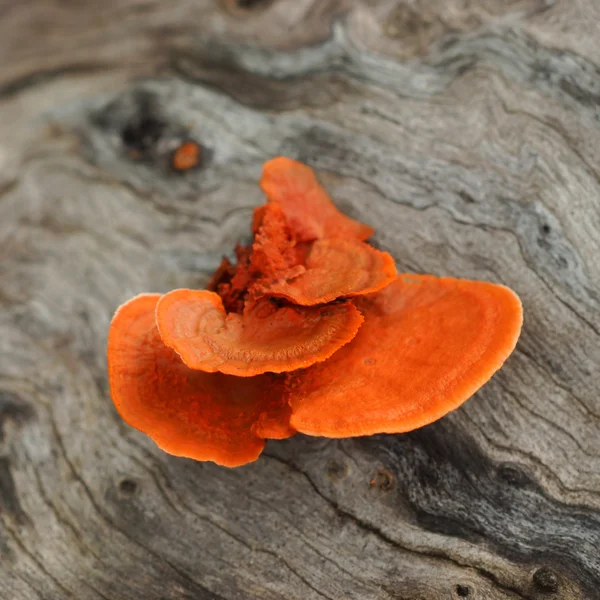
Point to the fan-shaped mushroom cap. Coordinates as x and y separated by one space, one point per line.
426 346
188 413
264 338
307 206
336 268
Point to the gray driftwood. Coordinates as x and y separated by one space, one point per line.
466 131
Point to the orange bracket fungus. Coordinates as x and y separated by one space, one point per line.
312 330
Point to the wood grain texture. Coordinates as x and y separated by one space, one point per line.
466 131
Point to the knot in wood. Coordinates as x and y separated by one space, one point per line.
545 580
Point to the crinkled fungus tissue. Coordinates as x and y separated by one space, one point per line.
311 331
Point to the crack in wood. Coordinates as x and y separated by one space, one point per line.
368 527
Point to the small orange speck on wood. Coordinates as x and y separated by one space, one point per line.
187 156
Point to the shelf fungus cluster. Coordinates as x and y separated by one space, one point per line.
312 330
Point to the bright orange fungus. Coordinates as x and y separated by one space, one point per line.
187 156
311 330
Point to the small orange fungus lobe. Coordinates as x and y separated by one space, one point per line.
187 156
337 268
309 210
265 338
426 346
310 273
188 413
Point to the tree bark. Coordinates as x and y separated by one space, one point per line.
467 132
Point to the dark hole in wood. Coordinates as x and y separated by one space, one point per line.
9 501
512 476
383 479
142 134
546 229
12 408
462 591
250 3
467 197
336 469
545 580
128 487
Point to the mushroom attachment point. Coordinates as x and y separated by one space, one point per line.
204 416
264 338
426 346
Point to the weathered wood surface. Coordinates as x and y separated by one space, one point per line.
466 131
